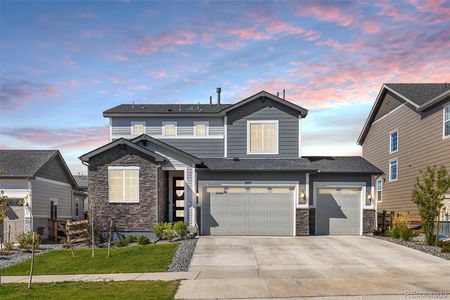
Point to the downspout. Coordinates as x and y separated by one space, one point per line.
157 192
29 201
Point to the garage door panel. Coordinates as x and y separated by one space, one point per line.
338 210
251 211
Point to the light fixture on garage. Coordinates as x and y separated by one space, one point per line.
369 197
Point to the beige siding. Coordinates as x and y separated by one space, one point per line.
420 144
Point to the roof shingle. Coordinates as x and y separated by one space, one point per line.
23 163
419 93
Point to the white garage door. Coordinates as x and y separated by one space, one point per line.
338 210
262 210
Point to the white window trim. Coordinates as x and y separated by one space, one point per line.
376 188
163 133
123 168
390 141
390 178
199 123
249 122
444 121
138 123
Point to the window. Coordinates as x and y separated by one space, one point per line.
123 184
262 137
77 209
201 128
379 189
169 128
447 121
393 170
393 141
137 128
53 209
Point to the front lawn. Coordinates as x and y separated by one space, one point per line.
137 259
91 290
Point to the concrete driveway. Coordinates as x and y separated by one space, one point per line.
266 267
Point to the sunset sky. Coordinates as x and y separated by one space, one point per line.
63 63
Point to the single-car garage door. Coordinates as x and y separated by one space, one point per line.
338 210
237 210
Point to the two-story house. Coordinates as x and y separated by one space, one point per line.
227 169
407 130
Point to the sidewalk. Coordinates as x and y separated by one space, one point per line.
164 276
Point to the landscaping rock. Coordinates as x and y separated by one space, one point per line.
417 244
183 256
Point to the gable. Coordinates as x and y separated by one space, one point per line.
257 105
55 170
389 102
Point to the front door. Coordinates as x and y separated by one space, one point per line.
178 198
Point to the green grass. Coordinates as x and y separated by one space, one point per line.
91 290
148 258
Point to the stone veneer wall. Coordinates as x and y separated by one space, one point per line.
312 221
140 216
368 221
302 222
163 207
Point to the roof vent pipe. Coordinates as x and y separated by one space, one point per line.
218 90
210 100
284 94
278 94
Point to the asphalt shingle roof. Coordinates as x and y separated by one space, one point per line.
82 180
23 163
166 108
325 164
419 93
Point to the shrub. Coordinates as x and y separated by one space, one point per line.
445 249
121 243
406 233
131 239
159 230
180 229
394 232
25 240
143 240
8 246
168 231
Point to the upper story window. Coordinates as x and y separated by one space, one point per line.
137 128
169 128
393 170
123 184
379 189
201 128
447 121
393 145
262 137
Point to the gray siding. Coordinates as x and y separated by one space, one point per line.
41 194
420 144
54 170
14 184
201 148
251 176
121 127
263 110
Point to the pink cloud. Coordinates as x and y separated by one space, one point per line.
249 33
121 57
169 39
65 139
326 12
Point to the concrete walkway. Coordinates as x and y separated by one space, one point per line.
320 266
164 276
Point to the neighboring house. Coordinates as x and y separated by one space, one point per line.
228 169
82 182
40 188
407 130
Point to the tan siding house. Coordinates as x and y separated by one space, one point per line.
420 140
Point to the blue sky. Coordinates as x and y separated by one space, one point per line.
63 63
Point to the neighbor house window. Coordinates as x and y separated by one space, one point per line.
137 128
123 184
379 189
393 141
169 128
201 128
77 209
262 137
447 121
393 170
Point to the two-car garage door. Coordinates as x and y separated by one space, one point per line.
256 210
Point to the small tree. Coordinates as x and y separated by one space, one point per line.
428 194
